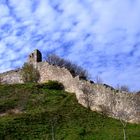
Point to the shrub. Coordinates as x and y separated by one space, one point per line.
30 74
123 88
54 85
55 60
74 69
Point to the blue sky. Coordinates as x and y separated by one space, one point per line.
103 36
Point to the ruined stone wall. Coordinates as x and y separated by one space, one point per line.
103 99
11 77
49 72
121 105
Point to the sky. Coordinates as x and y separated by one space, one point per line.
103 36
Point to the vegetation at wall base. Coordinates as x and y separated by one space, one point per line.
34 112
30 74
53 85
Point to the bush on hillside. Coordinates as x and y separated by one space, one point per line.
74 69
30 74
54 85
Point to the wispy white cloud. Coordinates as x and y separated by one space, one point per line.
101 35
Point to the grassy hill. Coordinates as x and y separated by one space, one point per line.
38 112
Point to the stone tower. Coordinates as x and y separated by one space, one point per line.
35 57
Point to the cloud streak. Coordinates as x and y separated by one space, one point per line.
101 35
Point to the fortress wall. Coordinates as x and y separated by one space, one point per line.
103 99
50 72
121 105
11 77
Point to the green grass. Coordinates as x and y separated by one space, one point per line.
45 108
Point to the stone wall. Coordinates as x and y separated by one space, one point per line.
120 105
49 72
11 77
117 104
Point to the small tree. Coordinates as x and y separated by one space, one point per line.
123 116
123 88
30 74
98 79
53 59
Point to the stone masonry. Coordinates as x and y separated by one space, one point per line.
116 104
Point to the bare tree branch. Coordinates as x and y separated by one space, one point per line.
74 69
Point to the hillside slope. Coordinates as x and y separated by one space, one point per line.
35 112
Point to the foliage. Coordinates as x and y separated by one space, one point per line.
54 85
74 69
123 88
57 109
30 74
